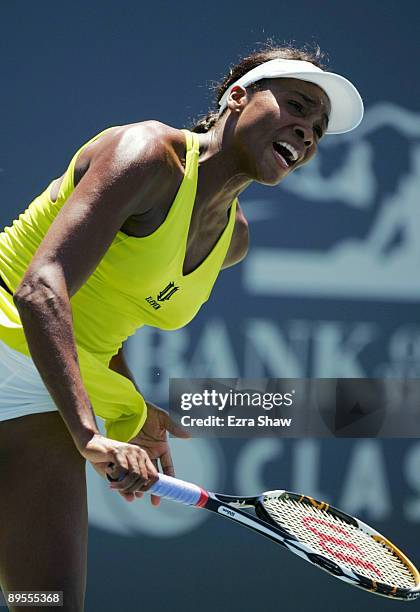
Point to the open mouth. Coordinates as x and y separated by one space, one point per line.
287 156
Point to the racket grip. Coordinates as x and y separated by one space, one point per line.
178 490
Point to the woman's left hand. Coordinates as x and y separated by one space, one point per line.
153 438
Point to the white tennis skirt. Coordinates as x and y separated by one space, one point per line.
22 390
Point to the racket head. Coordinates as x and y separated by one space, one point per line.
340 544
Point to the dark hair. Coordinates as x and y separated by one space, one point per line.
271 51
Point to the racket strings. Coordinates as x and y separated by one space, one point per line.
340 541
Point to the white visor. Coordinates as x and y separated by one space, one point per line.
346 103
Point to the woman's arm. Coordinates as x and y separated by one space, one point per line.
118 363
123 175
153 436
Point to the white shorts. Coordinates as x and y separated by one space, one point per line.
22 390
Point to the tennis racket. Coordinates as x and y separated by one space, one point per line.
334 541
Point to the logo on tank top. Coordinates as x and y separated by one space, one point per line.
162 296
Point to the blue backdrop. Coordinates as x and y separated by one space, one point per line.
329 289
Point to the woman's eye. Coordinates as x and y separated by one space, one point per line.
296 105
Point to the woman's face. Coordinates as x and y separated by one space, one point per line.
278 126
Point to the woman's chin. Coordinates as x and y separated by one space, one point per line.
271 179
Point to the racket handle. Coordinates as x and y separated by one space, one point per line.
174 489
179 490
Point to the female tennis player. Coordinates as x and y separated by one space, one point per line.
135 232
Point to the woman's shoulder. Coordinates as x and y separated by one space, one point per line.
142 139
143 146
160 140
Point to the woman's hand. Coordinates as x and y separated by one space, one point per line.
128 459
153 438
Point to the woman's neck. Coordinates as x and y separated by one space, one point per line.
220 179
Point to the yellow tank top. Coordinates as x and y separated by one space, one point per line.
139 281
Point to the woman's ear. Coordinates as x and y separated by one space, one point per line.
237 99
